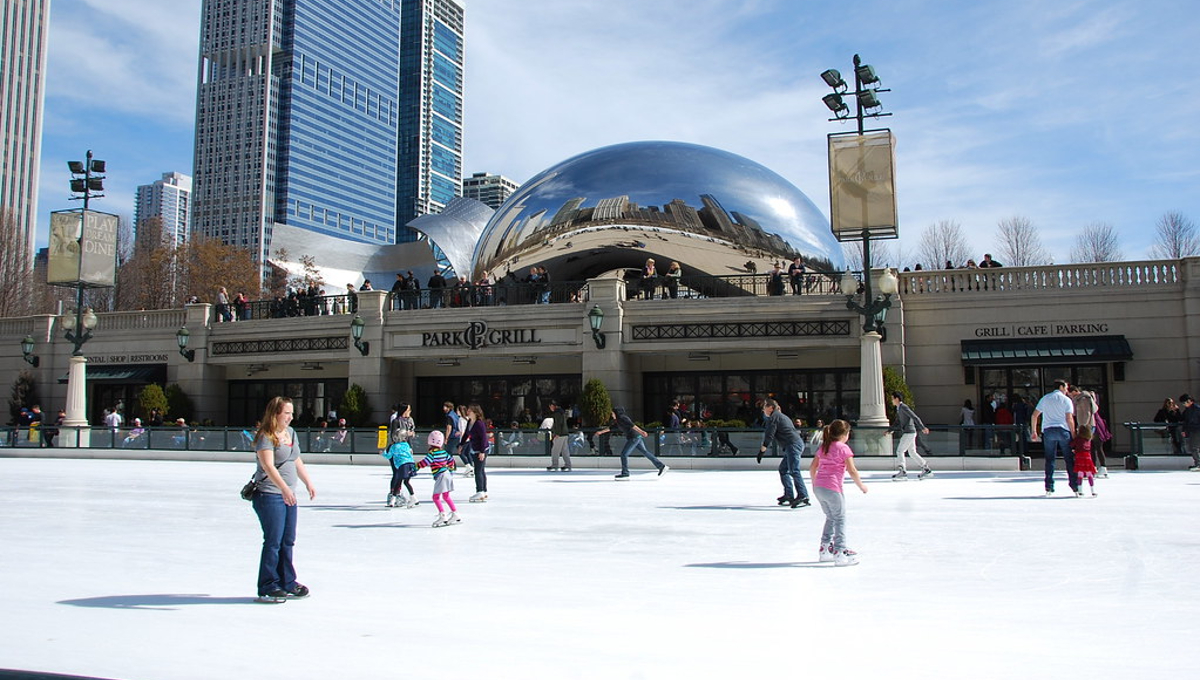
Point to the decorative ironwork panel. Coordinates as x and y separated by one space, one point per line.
280 345
763 329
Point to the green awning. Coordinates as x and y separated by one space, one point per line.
1074 349
125 374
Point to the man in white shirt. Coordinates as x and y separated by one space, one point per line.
1057 413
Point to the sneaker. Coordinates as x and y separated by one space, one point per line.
900 476
1103 472
440 521
801 503
278 596
846 558
299 592
453 518
663 469
624 476
926 472
826 554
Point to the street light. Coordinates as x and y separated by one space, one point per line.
182 336
596 319
356 332
27 350
91 181
86 320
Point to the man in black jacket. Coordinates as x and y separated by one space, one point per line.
1189 421
779 429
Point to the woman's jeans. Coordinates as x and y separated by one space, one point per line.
278 520
480 469
833 503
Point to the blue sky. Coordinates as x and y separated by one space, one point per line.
1067 113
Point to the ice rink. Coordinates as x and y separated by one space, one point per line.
146 570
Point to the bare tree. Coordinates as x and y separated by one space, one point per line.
881 254
15 267
1097 243
943 242
1175 237
1020 243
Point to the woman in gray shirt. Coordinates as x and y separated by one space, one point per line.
279 467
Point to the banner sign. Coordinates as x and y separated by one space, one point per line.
862 185
83 249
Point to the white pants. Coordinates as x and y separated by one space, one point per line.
908 444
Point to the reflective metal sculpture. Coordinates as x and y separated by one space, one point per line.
612 208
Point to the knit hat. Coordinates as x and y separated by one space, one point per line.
437 439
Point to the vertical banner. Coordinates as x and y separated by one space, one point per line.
98 266
862 185
63 263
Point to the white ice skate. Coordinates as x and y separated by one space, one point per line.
826 554
845 558
480 497
391 501
453 518
441 521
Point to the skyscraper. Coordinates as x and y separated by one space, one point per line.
490 190
296 120
431 107
168 199
22 78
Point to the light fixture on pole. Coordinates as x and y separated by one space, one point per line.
596 320
27 351
356 332
182 336
85 320
866 89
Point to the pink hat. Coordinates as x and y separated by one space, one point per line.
437 439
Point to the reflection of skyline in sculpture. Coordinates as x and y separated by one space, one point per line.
681 195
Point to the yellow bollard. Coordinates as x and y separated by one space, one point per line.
382 442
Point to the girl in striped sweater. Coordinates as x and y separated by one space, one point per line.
441 464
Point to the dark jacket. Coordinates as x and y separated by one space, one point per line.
780 429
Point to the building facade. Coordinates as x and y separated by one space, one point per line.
490 190
431 107
296 121
22 85
170 201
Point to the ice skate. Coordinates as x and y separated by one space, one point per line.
926 472
623 477
900 476
1093 493
453 518
1049 493
480 497
468 471
1103 472
391 501
412 502
440 521
663 470
845 558
826 554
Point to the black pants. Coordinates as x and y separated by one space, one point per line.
480 463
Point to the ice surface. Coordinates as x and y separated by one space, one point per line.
146 570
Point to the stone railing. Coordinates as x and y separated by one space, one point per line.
142 320
1149 274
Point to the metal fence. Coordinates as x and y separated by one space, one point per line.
942 441
1156 439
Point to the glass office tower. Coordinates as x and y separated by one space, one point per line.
296 120
431 107
22 80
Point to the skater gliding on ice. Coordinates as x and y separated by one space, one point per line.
400 454
781 430
830 464
441 463
909 425
633 440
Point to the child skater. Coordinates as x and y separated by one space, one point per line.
830 465
441 463
1085 467
400 455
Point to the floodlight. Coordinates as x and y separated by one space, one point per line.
98 166
95 184
78 186
835 104
76 167
834 79
866 74
868 100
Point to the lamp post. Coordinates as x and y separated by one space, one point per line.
181 337
596 319
356 332
862 199
27 350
